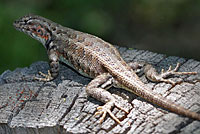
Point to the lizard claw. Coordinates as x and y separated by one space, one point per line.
103 110
47 77
164 74
182 73
171 71
121 108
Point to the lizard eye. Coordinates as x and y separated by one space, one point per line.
38 30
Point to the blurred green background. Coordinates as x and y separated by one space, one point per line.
170 27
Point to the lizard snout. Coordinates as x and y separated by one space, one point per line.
17 24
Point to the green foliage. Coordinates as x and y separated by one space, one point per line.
118 21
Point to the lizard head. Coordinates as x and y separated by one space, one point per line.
35 26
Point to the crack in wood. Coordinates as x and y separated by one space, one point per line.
69 109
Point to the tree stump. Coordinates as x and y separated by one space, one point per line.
62 105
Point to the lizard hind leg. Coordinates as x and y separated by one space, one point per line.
94 89
136 66
152 74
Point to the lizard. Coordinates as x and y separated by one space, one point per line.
99 60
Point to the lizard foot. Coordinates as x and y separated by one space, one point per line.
174 71
103 110
171 71
47 77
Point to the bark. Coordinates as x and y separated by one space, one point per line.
62 106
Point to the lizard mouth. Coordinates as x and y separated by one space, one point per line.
22 24
19 25
16 24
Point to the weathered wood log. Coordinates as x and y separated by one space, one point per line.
62 106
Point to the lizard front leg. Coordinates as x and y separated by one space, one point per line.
54 67
96 88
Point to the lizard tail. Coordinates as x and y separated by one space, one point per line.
130 81
169 105
159 100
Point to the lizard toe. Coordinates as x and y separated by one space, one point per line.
103 110
47 77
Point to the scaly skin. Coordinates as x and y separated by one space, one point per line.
97 59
